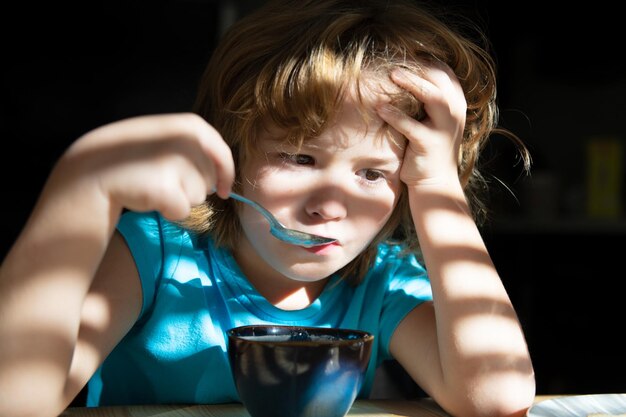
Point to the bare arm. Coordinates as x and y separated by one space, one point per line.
68 286
469 337
467 348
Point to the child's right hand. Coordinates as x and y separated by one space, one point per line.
161 162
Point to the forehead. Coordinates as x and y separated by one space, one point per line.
349 134
352 114
356 119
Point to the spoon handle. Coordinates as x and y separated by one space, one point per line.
269 216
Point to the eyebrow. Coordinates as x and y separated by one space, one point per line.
392 161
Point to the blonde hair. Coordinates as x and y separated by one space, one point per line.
289 64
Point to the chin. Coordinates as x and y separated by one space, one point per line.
311 272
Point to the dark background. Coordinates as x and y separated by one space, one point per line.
67 69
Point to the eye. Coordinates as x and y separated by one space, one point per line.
298 158
372 175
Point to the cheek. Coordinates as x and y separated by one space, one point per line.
271 188
256 232
370 216
258 175
254 225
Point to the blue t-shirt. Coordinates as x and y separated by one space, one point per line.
193 294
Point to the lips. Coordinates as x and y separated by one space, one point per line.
321 249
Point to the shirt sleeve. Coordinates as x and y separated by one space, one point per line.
407 286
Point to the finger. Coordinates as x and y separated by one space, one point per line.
176 207
436 87
422 89
216 149
168 198
437 74
195 187
203 171
402 122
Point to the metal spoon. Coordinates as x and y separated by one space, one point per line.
295 237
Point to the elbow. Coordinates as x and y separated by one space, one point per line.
514 391
511 401
32 409
502 396
30 404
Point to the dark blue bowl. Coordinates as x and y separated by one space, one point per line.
289 371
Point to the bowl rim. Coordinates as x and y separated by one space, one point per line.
365 337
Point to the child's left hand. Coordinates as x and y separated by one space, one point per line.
432 153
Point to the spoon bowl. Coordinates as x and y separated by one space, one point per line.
294 237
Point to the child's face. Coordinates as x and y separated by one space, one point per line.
343 184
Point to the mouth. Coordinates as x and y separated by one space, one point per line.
320 249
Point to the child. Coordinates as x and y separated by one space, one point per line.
360 120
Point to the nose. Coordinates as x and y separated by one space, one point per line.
327 204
